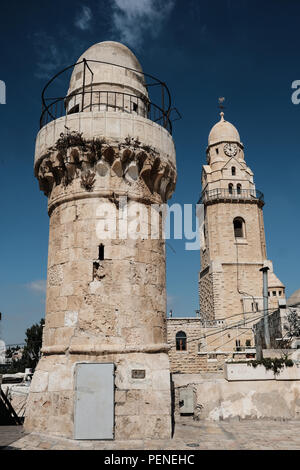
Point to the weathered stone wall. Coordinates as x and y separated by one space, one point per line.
207 347
206 295
233 282
242 282
222 243
217 399
189 361
142 406
120 302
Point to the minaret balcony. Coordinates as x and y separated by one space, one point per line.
93 92
231 195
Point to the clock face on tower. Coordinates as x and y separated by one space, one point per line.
230 149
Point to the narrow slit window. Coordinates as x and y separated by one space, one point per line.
101 252
239 188
233 171
230 188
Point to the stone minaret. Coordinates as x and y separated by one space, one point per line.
106 295
233 247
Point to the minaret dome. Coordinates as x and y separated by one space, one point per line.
223 131
111 78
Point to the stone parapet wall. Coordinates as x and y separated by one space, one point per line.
111 126
216 399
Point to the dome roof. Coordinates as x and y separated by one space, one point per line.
223 131
109 52
112 52
273 281
294 299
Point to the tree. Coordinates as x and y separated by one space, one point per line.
32 349
11 351
33 344
293 327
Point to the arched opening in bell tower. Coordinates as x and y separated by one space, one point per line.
239 227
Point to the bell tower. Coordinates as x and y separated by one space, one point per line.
233 246
104 154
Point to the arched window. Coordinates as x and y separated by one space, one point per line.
233 171
239 227
230 188
180 341
239 188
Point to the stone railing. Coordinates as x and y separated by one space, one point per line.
219 194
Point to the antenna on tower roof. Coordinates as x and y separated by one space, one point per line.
221 107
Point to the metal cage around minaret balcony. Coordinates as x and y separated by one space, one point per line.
91 98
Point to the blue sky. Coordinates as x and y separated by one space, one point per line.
245 50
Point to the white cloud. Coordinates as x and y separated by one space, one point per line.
54 53
132 19
49 56
38 286
84 18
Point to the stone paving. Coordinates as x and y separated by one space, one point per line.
189 435
9 434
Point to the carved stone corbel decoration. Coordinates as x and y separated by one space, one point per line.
132 172
73 156
102 168
108 153
88 180
117 167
